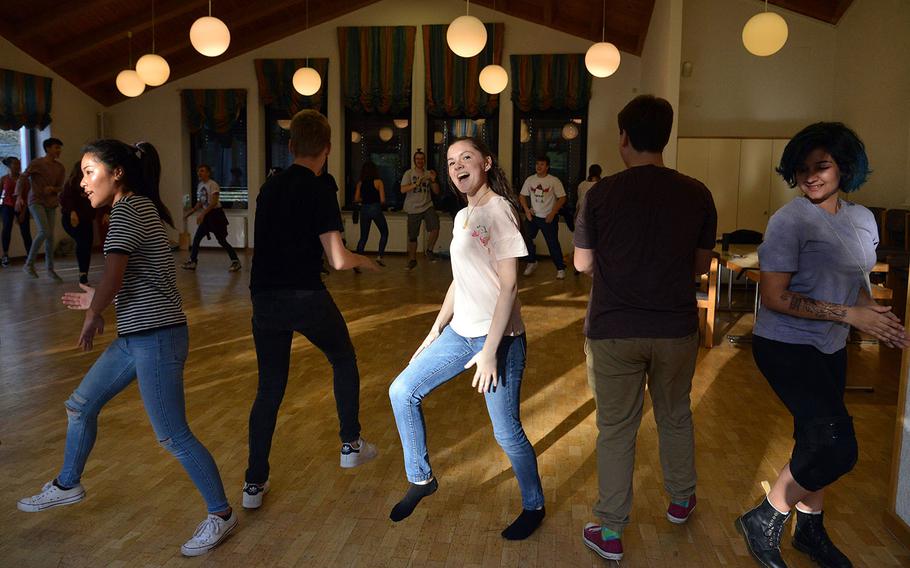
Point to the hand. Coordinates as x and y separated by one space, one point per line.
550 217
94 324
74 219
79 300
879 322
199 218
369 264
430 338
485 376
20 207
529 215
432 174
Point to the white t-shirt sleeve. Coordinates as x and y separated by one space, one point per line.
406 178
558 189
214 187
526 187
506 240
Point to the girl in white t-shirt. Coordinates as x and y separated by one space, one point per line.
479 324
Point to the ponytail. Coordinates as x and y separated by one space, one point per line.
141 168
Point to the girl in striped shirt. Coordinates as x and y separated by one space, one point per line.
152 343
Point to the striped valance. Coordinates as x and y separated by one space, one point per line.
376 68
550 82
25 100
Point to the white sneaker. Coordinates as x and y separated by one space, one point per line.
560 274
358 453
253 493
208 534
51 496
530 268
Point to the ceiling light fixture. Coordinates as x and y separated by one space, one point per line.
602 58
765 33
466 35
152 68
306 80
210 36
129 83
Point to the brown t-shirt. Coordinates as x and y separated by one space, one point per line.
41 174
644 225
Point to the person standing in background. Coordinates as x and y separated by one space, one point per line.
419 185
542 196
211 220
39 188
78 216
8 211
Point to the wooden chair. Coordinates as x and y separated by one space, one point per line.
706 298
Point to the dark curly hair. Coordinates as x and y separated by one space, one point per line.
845 147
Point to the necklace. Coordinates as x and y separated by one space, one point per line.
471 209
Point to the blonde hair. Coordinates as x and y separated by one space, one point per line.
310 133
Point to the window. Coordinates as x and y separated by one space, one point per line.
24 143
384 140
441 132
277 154
562 136
226 154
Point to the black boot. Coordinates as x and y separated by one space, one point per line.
762 528
812 538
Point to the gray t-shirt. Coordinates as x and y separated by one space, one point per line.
829 257
420 198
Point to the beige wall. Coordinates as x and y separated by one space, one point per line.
857 72
156 115
660 61
73 112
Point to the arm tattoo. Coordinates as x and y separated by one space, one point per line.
814 309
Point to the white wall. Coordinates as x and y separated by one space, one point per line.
73 112
872 93
857 72
156 115
660 61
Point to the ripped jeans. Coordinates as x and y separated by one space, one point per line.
156 359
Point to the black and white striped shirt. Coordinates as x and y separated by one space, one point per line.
148 298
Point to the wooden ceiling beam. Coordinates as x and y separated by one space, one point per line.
77 47
34 31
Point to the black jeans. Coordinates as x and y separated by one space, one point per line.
84 235
372 213
811 385
8 214
276 316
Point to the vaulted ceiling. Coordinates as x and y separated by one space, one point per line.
85 41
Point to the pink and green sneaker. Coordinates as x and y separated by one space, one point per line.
605 542
678 512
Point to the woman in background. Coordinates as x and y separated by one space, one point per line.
370 194
78 218
8 213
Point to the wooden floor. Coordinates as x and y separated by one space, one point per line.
141 506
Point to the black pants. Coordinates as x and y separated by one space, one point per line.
811 385
276 316
372 213
215 223
84 236
8 214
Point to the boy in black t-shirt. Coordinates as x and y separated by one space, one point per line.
297 220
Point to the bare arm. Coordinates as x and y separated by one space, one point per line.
524 205
584 260
357 197
380 187
486 376
446 311
111 281
23 186
341 258
867 317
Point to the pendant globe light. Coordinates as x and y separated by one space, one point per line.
129 83
152 68
466 35
493 79
210 36
602 58
306 80
765 33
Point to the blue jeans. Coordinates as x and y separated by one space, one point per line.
372 213
439 363
45 219
551 236
156 358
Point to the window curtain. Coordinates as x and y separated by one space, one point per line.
218 111
25 100
452 84
550 82
376 68
276 85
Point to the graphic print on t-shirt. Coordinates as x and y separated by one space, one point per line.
481 233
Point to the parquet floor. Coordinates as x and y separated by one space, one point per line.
141 506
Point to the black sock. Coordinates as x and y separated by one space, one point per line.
415 493
59 485
526 523
225 516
